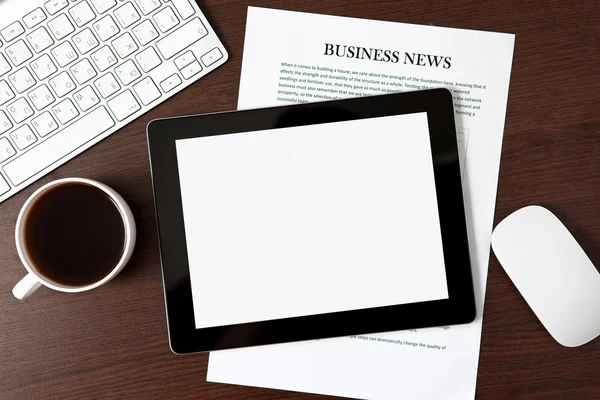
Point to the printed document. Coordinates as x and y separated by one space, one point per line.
291 57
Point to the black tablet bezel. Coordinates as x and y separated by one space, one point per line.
183 335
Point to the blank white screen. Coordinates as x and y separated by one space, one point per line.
310 220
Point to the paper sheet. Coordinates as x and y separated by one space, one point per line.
292 57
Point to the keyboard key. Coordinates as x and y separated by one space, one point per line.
165 19
12 31
145 32
211 57
124 45
83 71
123 105
86 98
41 97
58 146
184 8
106 28
107 85
191 69
4 187
6 149
18 53
60 26
43 67
146 90
181 38
64 54
85 41
82 13
170 83
34 18
104 58
5 123
22 80
54 6
44 124
62 84
4 65
103 6
6 94
127 72
147 6
23 137
65 111
148 59
184 59
40 39
20 110
127 15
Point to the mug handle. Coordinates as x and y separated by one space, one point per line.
26 286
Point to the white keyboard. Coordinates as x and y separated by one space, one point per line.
73 72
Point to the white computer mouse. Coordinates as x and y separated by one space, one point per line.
552 272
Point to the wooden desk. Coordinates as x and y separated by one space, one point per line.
112 342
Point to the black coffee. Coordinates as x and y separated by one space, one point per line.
74 234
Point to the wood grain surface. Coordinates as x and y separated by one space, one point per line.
111 343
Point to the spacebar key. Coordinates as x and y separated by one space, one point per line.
58 146
181 38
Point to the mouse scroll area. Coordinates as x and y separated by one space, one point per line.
552 273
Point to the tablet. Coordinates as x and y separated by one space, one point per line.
311 221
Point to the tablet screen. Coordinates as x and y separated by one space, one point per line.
311 219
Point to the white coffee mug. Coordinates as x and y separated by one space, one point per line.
34 279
